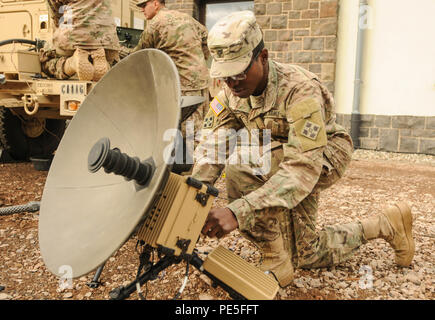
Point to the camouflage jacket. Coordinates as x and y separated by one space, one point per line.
185 40
86 24
298 111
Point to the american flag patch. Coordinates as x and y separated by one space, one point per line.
217 106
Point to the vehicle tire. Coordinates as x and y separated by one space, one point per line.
12 138
20 147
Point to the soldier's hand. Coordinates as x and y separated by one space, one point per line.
219 222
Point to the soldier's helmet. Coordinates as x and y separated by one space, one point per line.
232 41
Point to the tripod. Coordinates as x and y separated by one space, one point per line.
124 292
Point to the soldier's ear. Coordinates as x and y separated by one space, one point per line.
264 56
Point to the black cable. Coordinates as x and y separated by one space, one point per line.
27 41
32 206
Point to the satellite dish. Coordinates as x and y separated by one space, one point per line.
85 217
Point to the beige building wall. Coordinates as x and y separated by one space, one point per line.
400 59
346 53
397 103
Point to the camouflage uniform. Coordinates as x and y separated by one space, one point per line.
309 152
84 24
185 40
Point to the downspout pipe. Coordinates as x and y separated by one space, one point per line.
355 120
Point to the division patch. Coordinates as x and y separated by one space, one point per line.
208 122
310 130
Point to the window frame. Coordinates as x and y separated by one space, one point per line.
203 4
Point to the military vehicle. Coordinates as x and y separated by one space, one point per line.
34 109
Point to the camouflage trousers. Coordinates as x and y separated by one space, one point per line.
308 246
52 62
196 118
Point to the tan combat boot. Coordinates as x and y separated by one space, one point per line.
395 226
101 66
79 63
277 260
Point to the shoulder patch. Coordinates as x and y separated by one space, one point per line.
306 117
208 121
310 130
217 106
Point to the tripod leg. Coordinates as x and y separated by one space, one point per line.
122 293
95 283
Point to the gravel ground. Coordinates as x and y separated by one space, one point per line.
373 180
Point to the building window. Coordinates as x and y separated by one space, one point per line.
212 11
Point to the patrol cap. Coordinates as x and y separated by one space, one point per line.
142 3
232 41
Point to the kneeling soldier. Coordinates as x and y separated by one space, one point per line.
309 152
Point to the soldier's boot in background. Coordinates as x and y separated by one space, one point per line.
277 260
79 64
101 66
395 226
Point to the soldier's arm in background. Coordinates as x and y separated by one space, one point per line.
302 162
124 52
147 38
54 7
145 41
203 33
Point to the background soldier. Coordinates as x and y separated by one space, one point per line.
309 152
85 41
185 40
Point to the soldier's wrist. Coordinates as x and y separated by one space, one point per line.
239 207
231 212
